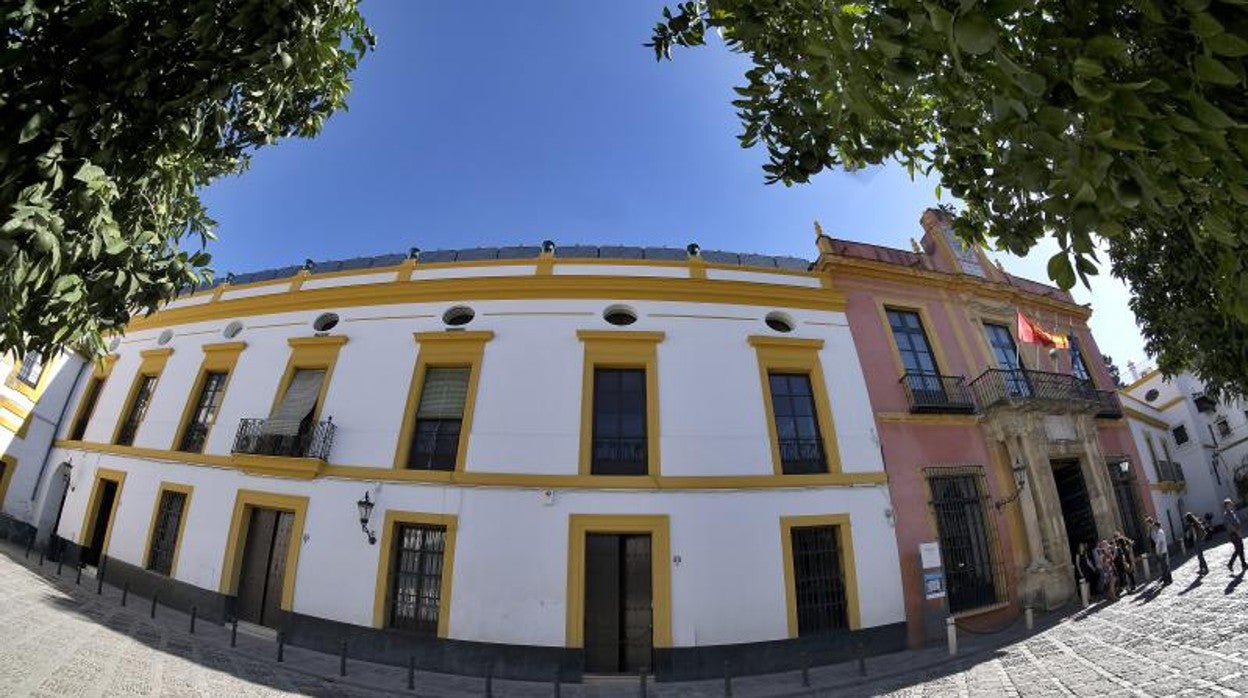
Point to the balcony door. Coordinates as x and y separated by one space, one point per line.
1005 353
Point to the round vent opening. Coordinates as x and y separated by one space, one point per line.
325 322
1151 395
779 322
458 316
620 315
165 337
233 329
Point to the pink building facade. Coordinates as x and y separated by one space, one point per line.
1005 455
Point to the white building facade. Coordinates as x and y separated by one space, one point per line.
1197 447
586 461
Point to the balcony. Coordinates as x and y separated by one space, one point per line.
930 393
1019 387
259 437
1110 407
1170 471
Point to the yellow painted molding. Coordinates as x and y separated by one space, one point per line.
1140 381
443 350
845 539
179 536
928 419
87 530
10 425
19 411
395 518
1168 404
33 393
658 527
311 353
793 355
153 365
621 349
218 358
884 304
246 501
282 466
1141 417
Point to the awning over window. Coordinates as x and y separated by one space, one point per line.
298 402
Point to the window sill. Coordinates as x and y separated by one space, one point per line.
283 466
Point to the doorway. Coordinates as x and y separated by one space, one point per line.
1072 492
262 575
100 518
619 600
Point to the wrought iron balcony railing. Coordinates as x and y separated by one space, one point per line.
619 455
1110 407
313 440
1020 386
802 456
1170 471
929 392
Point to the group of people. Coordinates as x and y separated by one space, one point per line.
1109 566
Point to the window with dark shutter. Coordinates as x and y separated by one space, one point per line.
165 537
207 404
89 398
439 419
797 424
138 409
293 415
416 577
619 427
818 580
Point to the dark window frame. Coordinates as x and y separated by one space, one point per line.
1177 431
970 553
137 409
33 363
90 398
167 529
416 607
1079 367
204 411
620 407
435 441
820 585
801 452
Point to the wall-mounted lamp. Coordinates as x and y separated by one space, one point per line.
1125 466
366 512
694 249
1019 471
548 246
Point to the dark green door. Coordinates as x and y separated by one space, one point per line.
619 613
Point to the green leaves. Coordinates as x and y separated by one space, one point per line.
1214 71
975 33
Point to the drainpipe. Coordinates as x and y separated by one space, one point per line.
47 456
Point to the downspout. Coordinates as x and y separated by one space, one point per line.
47 456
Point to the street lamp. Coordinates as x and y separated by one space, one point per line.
366 511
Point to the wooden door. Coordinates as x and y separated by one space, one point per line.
263 571
618 603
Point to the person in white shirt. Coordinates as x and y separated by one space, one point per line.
1160 548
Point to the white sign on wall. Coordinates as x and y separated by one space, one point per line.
929 554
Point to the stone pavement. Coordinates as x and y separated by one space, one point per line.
62 639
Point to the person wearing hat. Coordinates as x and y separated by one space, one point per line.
1233 531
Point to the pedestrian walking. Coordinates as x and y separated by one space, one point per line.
1161 549
1085 563
1105 562
1234 531
1124 560
1199 535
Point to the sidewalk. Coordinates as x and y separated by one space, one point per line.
81 628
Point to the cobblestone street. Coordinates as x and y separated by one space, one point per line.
58 638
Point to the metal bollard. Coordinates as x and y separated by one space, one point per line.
30 544
489 682
411 672
727 679
154 597
60 562
99 581
862 660
1029 617
1084 593
233 632
342 658
951 634
125 592
641 685
805 670
194 612
42 552
78 579
281 646
558 685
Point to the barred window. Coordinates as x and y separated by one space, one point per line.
819 580
165 537
968 542
797 425
89 398
32 369
206 406
416 577
619 437
439 419
138 409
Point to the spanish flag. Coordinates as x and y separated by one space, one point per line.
1029 333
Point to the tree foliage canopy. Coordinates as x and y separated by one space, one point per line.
113 113
1117 125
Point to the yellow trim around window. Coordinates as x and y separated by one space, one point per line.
381 590
152 364
845 539
620 349
793 355
244 503
658 526
883 305
1141 417
443 350
87 531
151 529
218 358
9 464
103 368
310 353
45 377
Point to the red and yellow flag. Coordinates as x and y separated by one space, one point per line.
1029 333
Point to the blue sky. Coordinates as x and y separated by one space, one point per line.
512 123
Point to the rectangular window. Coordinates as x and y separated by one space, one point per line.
439 419
1180 434
31 370
619 422
917 359
1005 352
967 539
1078 368
206 407
138 409
1224 427
165 535
818 580
90 396
416 577
797 424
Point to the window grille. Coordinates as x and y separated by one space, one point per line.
165 537
619 428
31 370
968 539
416 577
206 408
138 409
797 426
818 580
439 419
